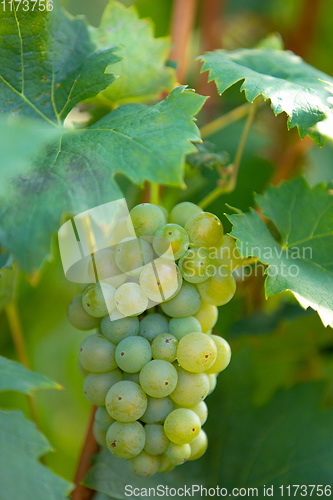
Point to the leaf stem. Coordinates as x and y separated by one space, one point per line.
154 196
225 120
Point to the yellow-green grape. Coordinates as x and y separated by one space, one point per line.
98 299
182 212
147 219
223 355
164 210
132 354
126 401
199 445
165 465
196 265
182 425
196 352
160 280
179 327
153 325
204 230
158 378
83 371
144 465
171 235
226 254
118 330
212 382
125 440
97 354
164 347
78 317
133 377
106 268
132 254
157 410
96 385
186 303
201 410
191 388
130 299
177 454
102 418
218 289
99 435
207 316
156 440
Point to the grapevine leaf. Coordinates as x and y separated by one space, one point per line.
140 77
8 282
292 85
141 142
207 157
21 475
15 377
302 263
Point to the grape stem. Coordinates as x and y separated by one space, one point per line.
154 196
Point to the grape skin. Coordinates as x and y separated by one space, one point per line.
102 418
130 299
198 445
125 440
191 388
126 401
182 212
164 347
144 465
182 425
179 327
178 454
186 303
132 254
107 270
160 280
158 378
218 289
156 440
96 385
196 352
147 219
157 410
118 330
207 316
153 325
204 230
78 316
223 355
212 382
133 353
201 410
98 299
195 265
99 434
97 354
171 235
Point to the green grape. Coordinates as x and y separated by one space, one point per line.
132 254
199 445
191 388
204 230
164 347
126 401
118 330
201 410
171 235
158 378
212 382
156 440
160 280
223 355
165 465
132 377
196 352
157 410
106 268
132 354
96 385
98 299
97 354
179 327
147 219
144 465
103 419
125 440
219 289
153 325
207 316
186 303
182 212
83 371
226 254
99 435
177 454
130 299
196 266
78 317
182 425
164 210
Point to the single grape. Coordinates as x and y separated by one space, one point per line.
147 219
212 382
182 212
156 440
83 371
164 210
99 435
177 454
98 299
158 378
97 354
179 327
171 235
130 299
78 317
106 268
126 401
133 353
218 289
132 377
204 229
153 325
118 330
96 385
226 254
196 352
103 419
191 388
157 410
182 425
165 465
223 355
132 254
186 303
164 347
125 440
201 410
196 266
207 316
160 280
144 465
199 445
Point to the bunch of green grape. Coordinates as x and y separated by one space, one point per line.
154 358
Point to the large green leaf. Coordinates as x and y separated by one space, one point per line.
142 71
292 85
302 262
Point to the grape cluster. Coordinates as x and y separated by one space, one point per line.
149 371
